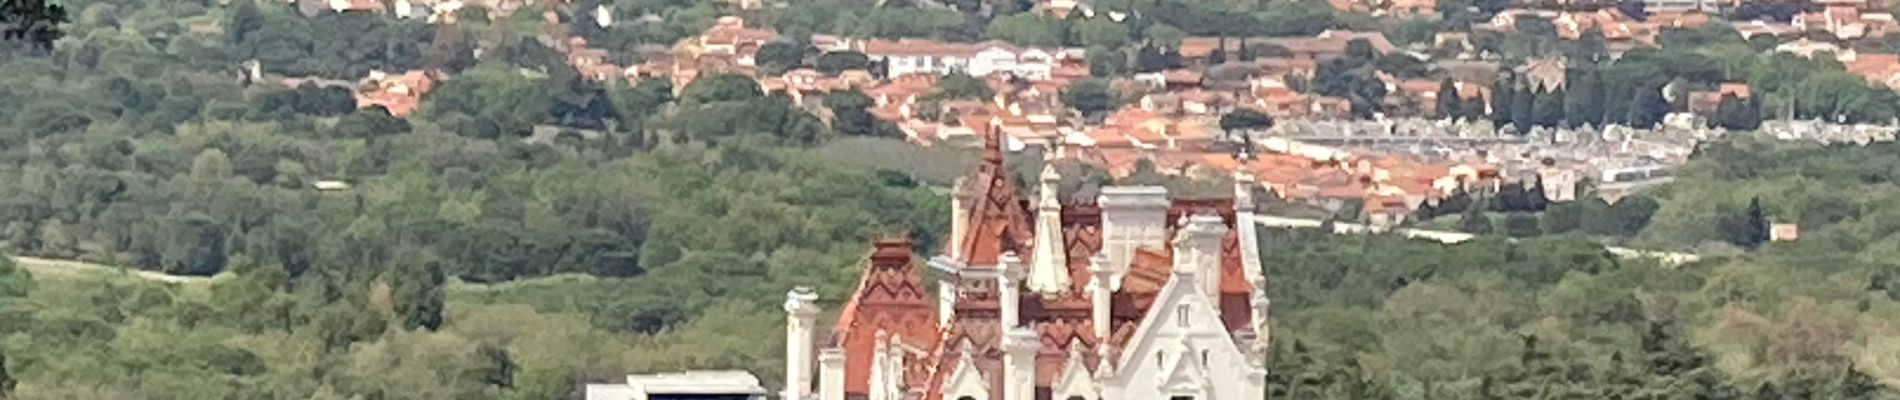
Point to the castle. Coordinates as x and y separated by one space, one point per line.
1133 296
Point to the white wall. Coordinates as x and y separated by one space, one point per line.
1169 338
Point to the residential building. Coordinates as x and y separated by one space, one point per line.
1323 47
400 94
1131 296
732 385
1808 48
913 56
1878 69
730 37
1680 5
1705 102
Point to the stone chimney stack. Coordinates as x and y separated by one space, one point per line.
831 374
1197 252
1019 363
801 313
1009 291
1132 217
959 224
959 217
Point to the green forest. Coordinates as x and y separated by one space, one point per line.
657 231
1556 316
466 259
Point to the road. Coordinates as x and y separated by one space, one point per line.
1667 258
46 267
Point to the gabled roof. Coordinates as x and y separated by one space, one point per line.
999 221
890 298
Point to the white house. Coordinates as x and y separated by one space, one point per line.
907 56
690 384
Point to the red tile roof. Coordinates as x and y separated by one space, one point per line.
890 299
1061 321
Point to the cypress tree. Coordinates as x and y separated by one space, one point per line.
1582 106
1646 107
1501 93
1548 110
1472 108
1615 103
1757 223
1448 106
1521 109
1220 52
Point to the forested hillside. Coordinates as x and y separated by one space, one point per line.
1558 317
465 259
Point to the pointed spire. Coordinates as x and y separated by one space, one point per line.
993 143
1049 273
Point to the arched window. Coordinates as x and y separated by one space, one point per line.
966 398
1203 357
1181 398
1076 398
1181 315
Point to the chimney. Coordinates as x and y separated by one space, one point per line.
959 216
1009 291
1019 363
1050 272
801 311
1101 295
1197 253
1132 217
831 374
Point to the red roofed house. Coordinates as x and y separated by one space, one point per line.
399 93
1133 296
731 37
1705 103
1879 69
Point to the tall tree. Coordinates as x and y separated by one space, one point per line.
1448 106
418 295
1582 106
1647 107
1522 109
1502 93
1548 110
1757 228
1219 56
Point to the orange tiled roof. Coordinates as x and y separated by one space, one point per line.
890 299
